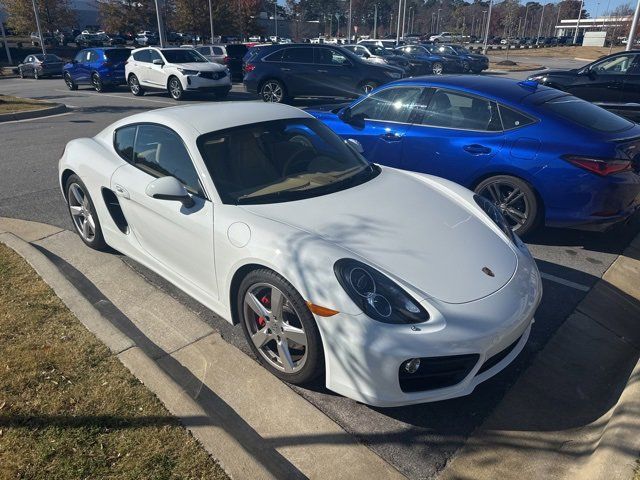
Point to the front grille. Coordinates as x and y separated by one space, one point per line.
437 372
213 75
497 358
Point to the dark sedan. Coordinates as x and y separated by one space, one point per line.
613 82
39 65
471 62
439 63
86 40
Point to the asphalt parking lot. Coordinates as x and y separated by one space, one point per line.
418 440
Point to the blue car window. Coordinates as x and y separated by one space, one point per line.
586 114
123 140
462 112
79 57
513 119
391 104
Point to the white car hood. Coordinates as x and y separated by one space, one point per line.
200 66
410 229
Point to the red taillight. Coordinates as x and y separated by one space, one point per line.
225 59
598 165
249 67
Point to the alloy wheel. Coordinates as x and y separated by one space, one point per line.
81 212
36 76
275 328
175 88
134 85
96 83
511 200
437 69
272 92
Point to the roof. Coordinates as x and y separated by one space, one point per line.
209 117
506 89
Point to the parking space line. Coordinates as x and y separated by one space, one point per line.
566 283
122 97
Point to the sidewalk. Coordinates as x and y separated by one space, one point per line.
252 423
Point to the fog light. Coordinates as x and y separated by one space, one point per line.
412 365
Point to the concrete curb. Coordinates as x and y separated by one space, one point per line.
232 406
41 112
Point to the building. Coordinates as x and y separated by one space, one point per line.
568 27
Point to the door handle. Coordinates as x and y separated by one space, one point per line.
476 149
285 69
121 191
391 137
322 71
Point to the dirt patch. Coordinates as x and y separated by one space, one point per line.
10 104
68 408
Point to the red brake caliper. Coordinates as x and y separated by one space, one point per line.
266 302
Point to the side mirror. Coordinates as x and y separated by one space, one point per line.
169 188
157 61
345 114
355 145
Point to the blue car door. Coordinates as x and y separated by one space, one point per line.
82 67
380 121
454 137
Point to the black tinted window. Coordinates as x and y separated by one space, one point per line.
586 114
452 110
275 56
513 119
117 54
237 50
142 56
298 55
183 55
392 104
123 142
160 152
328 56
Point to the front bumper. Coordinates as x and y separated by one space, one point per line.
198 83
363 357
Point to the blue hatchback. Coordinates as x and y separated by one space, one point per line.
541 155
99 67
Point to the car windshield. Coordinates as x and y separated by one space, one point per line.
281 160
445 49
183 55
587 114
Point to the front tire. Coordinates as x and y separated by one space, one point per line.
175 88
134 86
36 75
20 73
273 91
71 85
516 200
83 214
279 327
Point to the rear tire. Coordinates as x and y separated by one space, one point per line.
437 68
36 75
97 84
134 86
516 200
83 214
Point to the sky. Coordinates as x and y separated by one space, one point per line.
599 7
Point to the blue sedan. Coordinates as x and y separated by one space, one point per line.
541 155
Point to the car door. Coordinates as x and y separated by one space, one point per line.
299 72
94 62
156 74
603 82
335 74
142 59
631 87
380 121
454 135
178 237
83 67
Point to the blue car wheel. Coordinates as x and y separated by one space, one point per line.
71 85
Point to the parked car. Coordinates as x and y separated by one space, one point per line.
542 156
116 40
39 66
177 70
102 68
86 40
281 72
267 218
444 37
425 53
385 43
380 55
470 62
146 39
613 82
214 53
234 54
48 39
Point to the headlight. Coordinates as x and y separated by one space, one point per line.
495 214
184 71
376 295
393 74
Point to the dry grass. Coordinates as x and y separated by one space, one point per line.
68 408
592 53
519 67
10 104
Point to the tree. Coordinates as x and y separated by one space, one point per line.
54 14
127 16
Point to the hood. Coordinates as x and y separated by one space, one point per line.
200 66
439 248
556 73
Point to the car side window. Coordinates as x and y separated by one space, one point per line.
217 51
298 55
123 140
87 56
328 56
463 112
142 56
391 104
160 152
614 66
274 57
634 69
203 50
513 119
154 55
79 57
93 56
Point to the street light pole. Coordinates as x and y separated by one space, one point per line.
349 40
211 20
631 38
35 12
558 18
404 17
275 18
524 25
160 28
541 17
398 27
6 45
575 36
438 22
375 20
486 33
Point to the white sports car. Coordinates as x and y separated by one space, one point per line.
398 287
